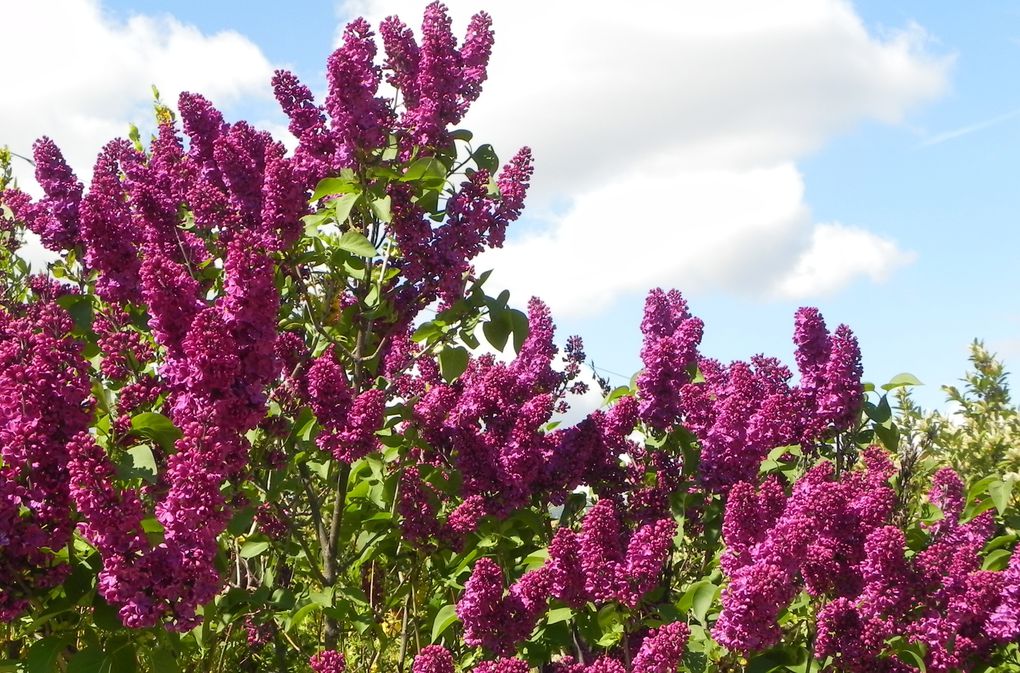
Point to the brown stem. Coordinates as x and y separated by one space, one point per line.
403 634
313 504
330 554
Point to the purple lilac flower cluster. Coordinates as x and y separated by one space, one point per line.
437 83
258 632
44 394
669 353
433 659
417 508
490 423
216 355
348 421
54 218
605 562
437 259
940 598
742 411
815 539
661 651
328 661
503 665
834 538
490 420
493 620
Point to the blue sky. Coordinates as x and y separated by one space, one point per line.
874 144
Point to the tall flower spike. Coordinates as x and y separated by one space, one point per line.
601 550
669 350
297 102
475 58
606 664
359 117
841 396
107 232
646 554
63 196
43 387
203 124
480 607
813 346
402 58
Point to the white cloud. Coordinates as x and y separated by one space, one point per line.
671 131
837 255
659 228
81 76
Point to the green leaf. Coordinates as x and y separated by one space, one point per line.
497 331
520 326
322 598
1001 541
453 362
881 412
485 158
157 427
426 330
461 134
608 617
426 167
105 615
89 660
251 549
152 525
980 486
240 522
536 559
429 201
615 394
42 656
997 560
314 221
80 308
121 655
141 463
301 614
381 208
446 616
901 380
1000 493
163 660
469 339
343 204
355 242
702 601
330 186
695 662
914 657
698 598
559 615
889 435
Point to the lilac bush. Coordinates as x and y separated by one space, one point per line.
248 422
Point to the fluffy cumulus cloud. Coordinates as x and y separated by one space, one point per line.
836 255
81 75
666 137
